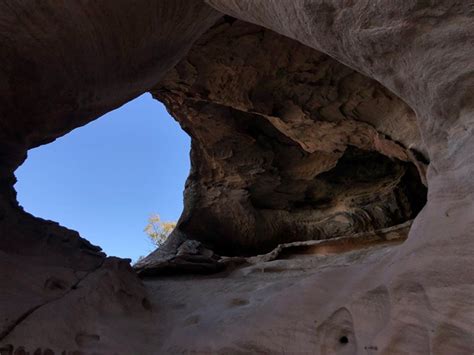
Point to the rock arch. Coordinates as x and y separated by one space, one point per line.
410 62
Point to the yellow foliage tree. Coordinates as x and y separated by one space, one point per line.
158 230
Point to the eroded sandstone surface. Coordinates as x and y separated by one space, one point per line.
312 124
287 143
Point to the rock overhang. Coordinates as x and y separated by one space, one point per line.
412 298
288 144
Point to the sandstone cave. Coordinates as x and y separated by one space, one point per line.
329 206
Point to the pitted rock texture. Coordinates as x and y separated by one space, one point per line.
65 63
287 143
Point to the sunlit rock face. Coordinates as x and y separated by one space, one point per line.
287 143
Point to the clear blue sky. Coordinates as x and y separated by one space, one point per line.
104 179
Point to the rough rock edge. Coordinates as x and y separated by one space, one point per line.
192 257
109 262
392 234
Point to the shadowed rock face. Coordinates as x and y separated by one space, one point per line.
285 138
62 65
287 143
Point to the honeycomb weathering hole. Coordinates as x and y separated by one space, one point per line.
343 340
105 179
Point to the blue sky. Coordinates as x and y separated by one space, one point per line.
104 179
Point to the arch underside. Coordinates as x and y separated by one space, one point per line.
308 166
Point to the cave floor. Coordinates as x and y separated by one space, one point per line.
251 307
210 312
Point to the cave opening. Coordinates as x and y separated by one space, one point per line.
106 178
308 149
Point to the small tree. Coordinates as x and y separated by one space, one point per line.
158 230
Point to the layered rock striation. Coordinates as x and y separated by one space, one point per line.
316 135
287 143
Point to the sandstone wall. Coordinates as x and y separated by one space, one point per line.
365 91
